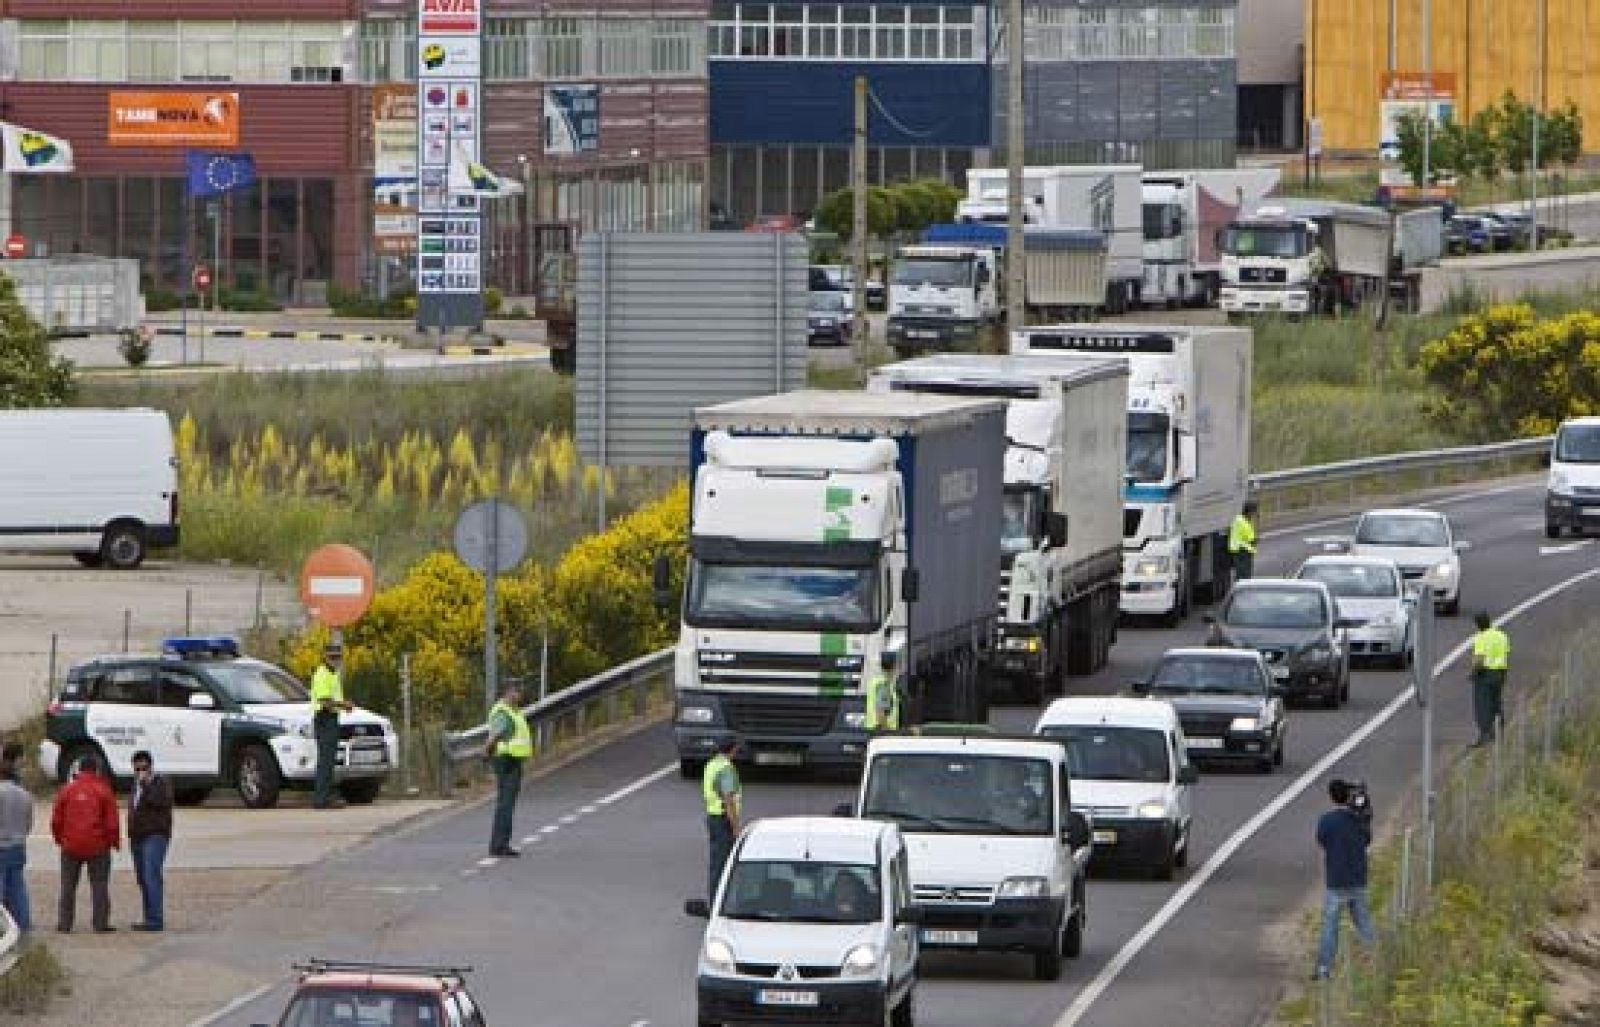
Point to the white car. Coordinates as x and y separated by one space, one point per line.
1421 544
1131 777
1373 592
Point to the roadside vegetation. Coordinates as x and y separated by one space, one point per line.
33 982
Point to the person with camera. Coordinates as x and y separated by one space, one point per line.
1344 832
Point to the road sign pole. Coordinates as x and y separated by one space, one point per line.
1422 666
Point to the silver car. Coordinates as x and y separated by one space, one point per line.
1372 591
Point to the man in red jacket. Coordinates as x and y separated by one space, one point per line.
84 823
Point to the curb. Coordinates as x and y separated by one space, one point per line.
490 350
265 333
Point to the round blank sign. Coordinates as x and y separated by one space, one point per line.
491 536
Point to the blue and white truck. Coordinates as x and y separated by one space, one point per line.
833 535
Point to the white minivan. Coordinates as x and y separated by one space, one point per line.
1131 776
813 922
1572 496
99 484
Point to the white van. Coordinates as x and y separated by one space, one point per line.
99 484
813 923
1131 775
1572 497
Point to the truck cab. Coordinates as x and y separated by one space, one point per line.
940 297
1270 262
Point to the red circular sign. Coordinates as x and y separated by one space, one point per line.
336 585
202 278
16 245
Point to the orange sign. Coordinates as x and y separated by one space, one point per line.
336 585
173 119
1418 85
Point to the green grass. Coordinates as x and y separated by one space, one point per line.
37 977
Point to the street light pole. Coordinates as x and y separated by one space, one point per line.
1016 281
1427 80
1538 116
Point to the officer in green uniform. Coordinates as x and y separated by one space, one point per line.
724 798
1242 541
327 702
1491 657
510 746
883 698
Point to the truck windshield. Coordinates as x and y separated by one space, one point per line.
948 273
1162 221
1148 441
1019 517
784 891
1265 241
727 595
1099 752
1578 444
959 793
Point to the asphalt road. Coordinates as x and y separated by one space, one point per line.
587 929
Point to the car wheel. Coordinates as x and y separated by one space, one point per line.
360 793
1180 857
88 558
1163 868
86 751
122 547
1277 754
1072 941
904 1014
1264 764
255 774
701 1021
1453 607
191 796
1331 699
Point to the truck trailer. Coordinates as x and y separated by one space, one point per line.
1183 211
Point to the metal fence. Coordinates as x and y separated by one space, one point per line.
1304 486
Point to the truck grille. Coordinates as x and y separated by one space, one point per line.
348 731
781 717
767 669
965 895
1005 590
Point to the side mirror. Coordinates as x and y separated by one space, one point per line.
1077 833
1188 774
844 809
910 585
1139 687
698 908
1188 457
202 701
661 582
1055 529
910 915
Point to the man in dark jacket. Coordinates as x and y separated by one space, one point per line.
149 834
84 824
1344 833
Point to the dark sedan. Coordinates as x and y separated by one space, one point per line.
1466 233
1227 702
829 316
1296 627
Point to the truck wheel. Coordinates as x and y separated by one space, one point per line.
255 774
904 1014
122 546
1080 638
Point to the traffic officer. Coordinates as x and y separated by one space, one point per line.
510 746
1242 541
1491 656
883 698
724 799
327 701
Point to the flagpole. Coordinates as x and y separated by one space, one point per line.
183 271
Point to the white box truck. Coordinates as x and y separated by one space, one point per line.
1066 419
1183 212
1188 456
942 295
829 529
99 484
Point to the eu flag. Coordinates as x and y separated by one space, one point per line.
212 174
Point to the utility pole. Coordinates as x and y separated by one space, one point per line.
1427 79
858 221
1538 116
1016 279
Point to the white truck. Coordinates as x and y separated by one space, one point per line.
1183 211
1105 198
1317 257
834 535
941 296
1066 427
1188 455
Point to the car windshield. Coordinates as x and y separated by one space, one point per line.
960 793
802 891
1402 530
1354 581
246 681
803 598
1100 752
1225 675
1578 444
1018 517
1274 608
351 1007
827 302
955 273
1147 446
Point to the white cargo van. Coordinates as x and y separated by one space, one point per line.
99 484
1572 496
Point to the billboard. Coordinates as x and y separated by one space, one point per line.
1402 93
173 119
571 119
394 169
449 130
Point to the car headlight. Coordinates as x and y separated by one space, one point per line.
1152 566
696 715
1154 809
1245 724
861 961
1444 571
717 955
1318 653
1023 888
1025 645
855 719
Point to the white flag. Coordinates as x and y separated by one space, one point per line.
29 152
469 178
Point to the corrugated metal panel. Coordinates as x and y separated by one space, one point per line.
675 322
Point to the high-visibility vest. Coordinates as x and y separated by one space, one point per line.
325 684
520 745
708 783
883 704
1492 647
1242 535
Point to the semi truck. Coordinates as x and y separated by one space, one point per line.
941 295
1319 257
1188 454
1183 211
1066 430
834 536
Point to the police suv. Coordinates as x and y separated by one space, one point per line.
209 716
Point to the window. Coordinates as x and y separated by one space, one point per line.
563 47
826 31
46 50
188 51
131 686
177 686
624 47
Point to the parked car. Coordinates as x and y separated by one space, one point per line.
1228 702
1466 233
333 993
1131 776
1521 224
1296 627
828 317
1502 235
1421 544
1373 592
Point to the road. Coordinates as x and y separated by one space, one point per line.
586 929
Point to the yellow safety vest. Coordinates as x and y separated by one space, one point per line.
708 783
1493 647
1242 536
520 745
325 684
883 704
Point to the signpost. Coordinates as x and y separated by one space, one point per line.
491 537
449 131
336 586
201 280
16 246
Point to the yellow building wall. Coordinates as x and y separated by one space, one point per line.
1489 45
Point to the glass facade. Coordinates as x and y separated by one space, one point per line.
536 49
747 181
850 32
124 51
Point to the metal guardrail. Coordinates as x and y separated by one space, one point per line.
1397 463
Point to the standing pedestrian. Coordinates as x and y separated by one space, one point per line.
327 702
1242 541
149 834
1344 833
883 697
16 823
1491 657
724 800
84 823
510 746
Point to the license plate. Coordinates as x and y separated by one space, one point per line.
1591 511
1105 837
785 997
779 758
915 334
1204 743
933 937
368 756
1280 673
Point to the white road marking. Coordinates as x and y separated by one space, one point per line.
469 871
530 839
644 782
570 818
1112 970
550 829
234 1006
400 889
1570 547
487 861
589 809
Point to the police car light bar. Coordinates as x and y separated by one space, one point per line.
219 645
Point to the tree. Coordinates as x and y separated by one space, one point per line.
1561 136
834 213
1410 132
29 375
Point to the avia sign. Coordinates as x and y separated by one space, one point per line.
449 17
